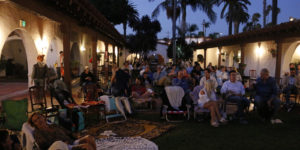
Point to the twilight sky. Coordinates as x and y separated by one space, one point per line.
289 8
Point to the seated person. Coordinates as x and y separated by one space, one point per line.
266 99
148 71
8 142
208 76
139 90
222 75
45 135
86 77
158 74
196 73
290 84
208 100
185 84
173 72
147 80
234 91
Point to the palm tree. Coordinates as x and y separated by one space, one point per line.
204 5
131 15
118 12
264 12
240 16
205 25
233 6
254 24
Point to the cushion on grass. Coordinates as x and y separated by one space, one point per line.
15 113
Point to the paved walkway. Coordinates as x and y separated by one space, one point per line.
14 90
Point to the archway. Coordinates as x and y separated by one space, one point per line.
291 55
19 53
75 60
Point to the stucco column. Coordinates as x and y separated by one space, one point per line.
205 49
114 54
242 46
278 60
106 59
219 57
67 52
94 55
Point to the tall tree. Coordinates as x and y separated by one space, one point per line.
145 38
230 9
274 11
118 12
264 12
204 5
240 16
254 23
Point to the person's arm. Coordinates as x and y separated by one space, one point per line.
215 82
242 89
224 88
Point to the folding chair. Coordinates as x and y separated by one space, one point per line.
111 110
175 96
37 98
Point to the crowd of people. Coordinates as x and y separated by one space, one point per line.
216 83
142 82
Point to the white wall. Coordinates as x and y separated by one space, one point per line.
162 50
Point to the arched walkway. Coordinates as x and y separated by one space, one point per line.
291 50
20 47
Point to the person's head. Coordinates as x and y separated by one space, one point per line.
232 76
145 75
40 58
223 69
86 69
209 86
61 53
5 140
292 71
173 67
37 120
264 74
180 74
292 65
198 68
147 69
139 81
298 67
207 73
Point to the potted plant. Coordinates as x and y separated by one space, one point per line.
236 59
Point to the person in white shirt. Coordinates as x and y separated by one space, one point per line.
206 77
208 100
222 75
234 91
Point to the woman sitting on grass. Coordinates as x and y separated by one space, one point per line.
208 100
45 135
140 92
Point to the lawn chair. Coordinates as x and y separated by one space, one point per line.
111 110
175 96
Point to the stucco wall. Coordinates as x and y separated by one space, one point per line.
162 50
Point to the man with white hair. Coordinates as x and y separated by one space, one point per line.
266 99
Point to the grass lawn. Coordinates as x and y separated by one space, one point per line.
233 136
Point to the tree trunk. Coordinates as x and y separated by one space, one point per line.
264 12
236 27
174 30
274 12
125 28
230 26
183 24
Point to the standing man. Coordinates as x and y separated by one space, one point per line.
234 91
39 72
266 99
